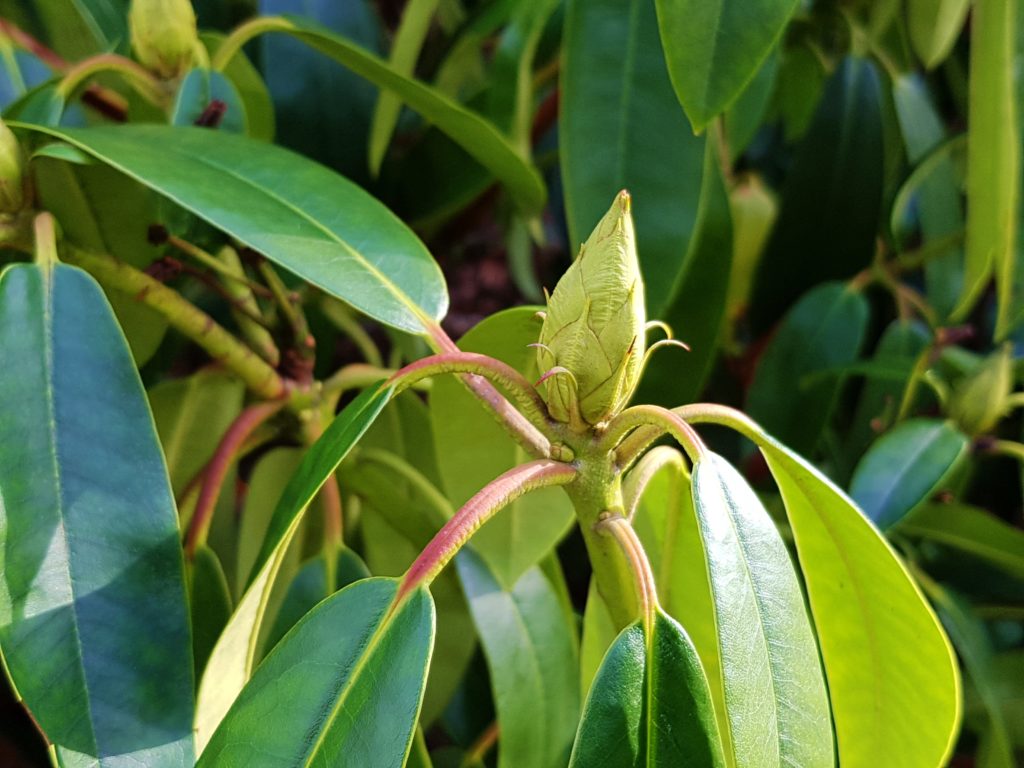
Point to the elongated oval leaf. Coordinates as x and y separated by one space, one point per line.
92 595
481 139
934 26
344 687
532 656
298 213
234 656
649 705
970 530
823 330
905 467
714 47
621 127
774 688
892 675
473 450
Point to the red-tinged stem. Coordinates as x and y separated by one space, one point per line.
213 478
655 417
477 511
646 468
646 591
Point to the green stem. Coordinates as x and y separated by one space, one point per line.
249 316
340 315
618 527
292 314
242 34
478 749
185 317
137 77
496 495
1009 448
45 228
656 417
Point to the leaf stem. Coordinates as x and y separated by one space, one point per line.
217 469
478 510
653 416
242 34
45 228
184 316
136 76
616 525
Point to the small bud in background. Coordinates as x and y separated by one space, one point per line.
979 400
12 172
594 325
754 211
164 35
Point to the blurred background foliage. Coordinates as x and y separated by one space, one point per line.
836 243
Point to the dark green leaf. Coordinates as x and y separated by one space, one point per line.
649 705
93 619
622 128
340 238
832 196
905 467
246 80
775 693
210 600
714 48
824 329
746 115
533 660
197 92
970 530
234 656
344 687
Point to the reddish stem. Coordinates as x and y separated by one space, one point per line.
477 511
217 469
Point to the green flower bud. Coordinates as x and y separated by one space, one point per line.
164 35
979 399
594 325
12 172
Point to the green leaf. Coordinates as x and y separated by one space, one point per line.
405 51
480 138
198 90
972 531
234 656
532 656
892 675
933 191
696 308
832 196
192 414
79 28
93 615
649 704
344 687
934 26
255 98
472 450
621 127
823 330
747 114
993 163
905 467
774 688
340 239
210 601
713 49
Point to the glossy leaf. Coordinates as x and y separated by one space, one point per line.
905 467
340 239
343 687
970 530
747 114
934 26
713 49
210 603
827 222
472 450
993 163
234 656
649 705
611 138
92 605
824 329
892 675
775 693
532 657
480 138
79 28
696 308
405 50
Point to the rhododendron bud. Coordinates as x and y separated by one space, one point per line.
594 324
164 35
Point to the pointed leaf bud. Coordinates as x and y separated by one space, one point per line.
164 35
979 399
12 172
594 326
